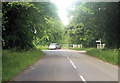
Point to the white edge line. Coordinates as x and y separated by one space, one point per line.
72 64
82 78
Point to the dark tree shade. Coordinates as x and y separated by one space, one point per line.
27 24
99 20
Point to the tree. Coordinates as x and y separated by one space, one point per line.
99 20
24 23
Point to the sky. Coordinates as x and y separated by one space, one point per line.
62 6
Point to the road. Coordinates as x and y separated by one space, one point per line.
67 65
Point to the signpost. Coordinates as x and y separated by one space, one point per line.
99 41
101 46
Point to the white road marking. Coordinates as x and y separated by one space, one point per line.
68 58
72 64
82 78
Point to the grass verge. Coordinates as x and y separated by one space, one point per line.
42 47
81 49
108 55
14 62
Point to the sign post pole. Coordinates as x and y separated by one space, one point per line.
100 43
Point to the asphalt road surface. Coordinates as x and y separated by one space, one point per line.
67 65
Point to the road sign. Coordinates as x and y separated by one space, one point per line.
98 41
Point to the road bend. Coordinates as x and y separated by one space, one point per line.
68 65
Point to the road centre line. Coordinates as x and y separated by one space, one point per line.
82 78
72 64
68 58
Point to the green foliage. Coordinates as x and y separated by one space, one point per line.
14 62
28 24
110 55
92 21
42 47
83 49
17 30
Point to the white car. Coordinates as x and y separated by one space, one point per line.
54 46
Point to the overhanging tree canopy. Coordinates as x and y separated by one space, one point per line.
22 19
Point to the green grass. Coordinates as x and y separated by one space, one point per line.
14 62
110 55
0 66
81 49
42 47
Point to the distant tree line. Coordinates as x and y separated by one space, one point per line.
27 24
92 21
